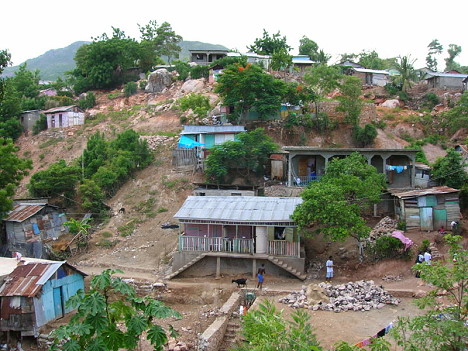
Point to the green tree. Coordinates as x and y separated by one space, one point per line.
59 179
453 51
449 170
267 45
10 109
26 82
335 205
109 303
371 60
95 154
265 329
443 325
92 197
40 125
250 153
12 170
457 117
87 101
322 80
250 87
407 73
5 61
199 104
350 102
103 63
435 48
308 47
157 41
281 60
364 136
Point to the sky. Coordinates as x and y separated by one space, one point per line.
29 28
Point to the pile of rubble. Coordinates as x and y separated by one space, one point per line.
157 140
353 296
174 345
385 227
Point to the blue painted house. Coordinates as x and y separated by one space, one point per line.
34 292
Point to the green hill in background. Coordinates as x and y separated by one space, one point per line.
54 63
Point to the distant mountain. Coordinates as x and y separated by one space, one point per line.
54 63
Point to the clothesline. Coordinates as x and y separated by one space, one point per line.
399 169
381 333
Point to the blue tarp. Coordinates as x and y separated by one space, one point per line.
188 143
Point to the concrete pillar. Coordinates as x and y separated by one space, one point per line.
412 172
261 241
290 165
254 268
218 267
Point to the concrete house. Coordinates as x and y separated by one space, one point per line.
234 234
427 209
370 76
64 116
307 164
34 292
465 84
29 225
29 118
206 57
301 64
450 81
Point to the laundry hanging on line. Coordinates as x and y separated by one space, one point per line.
382 332
398 169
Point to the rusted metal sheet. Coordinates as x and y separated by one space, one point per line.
23 281
22 212
423 192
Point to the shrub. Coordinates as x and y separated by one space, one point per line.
424 246
364 136
40 125
143 84
199 104
386 246
401 225
183 69
199 72
430 100
130 88
88 101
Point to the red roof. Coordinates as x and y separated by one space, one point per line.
24 280
23 211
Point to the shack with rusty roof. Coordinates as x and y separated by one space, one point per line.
31 224
427 209
34 292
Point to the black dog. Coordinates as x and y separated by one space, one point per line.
240 282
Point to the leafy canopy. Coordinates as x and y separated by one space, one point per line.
250 153
336 203
249 87
309 47
12 170
443 325
110 316
267 45
449 170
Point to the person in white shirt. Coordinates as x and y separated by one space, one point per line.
329 265
427 257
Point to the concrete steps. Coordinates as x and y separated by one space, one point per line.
287 267
183 268
232 334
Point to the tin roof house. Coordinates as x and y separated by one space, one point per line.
234 234
370 76
427 209
34 292
450 81
64 117
29 225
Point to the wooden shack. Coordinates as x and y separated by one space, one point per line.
34 292
427 209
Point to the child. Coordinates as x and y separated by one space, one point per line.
329 266
260 276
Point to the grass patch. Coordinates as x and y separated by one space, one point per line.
96 119
145 206
50 142
177 183
120 115
128 228
106 234
27 153
161 210
159 133
107 243
112 96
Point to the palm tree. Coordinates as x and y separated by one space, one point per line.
405 68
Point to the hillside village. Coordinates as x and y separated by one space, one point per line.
182 231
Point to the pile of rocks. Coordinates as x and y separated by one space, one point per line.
157 140
174 345
353 296
386 226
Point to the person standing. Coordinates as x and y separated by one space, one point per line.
419 259
427 257
329 265
260 276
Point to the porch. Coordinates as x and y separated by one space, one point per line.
237 246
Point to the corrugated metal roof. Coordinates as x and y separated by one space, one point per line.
421 165
23 211
449 75
338 150
366 70
239 208
212 129
437 190
59 109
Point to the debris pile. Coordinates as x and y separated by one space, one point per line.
179 346
385 227
353 296
154 141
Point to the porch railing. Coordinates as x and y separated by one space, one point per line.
275 248
195 243
284 248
